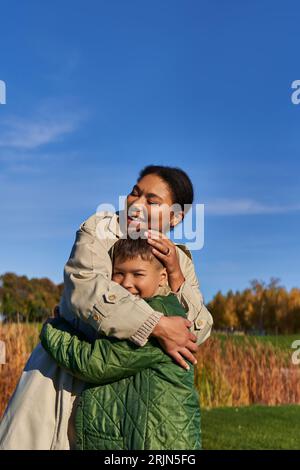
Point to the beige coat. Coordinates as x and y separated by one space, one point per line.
38 415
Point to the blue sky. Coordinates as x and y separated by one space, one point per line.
96 90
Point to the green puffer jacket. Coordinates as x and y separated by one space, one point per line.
136 397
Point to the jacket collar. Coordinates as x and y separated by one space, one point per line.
114 225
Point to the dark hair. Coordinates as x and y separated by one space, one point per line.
129 248
178 181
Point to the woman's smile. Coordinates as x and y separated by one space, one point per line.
136 222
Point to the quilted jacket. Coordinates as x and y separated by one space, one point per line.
136 397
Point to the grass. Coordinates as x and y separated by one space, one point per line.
251 427
278 341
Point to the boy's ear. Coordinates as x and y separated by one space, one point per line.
163 277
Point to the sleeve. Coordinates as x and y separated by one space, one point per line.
91 295
103 361
190 297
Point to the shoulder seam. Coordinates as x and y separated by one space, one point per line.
185 250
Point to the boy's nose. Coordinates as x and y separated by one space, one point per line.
127 283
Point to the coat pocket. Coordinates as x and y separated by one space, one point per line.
94 441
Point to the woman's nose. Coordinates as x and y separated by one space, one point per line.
137 209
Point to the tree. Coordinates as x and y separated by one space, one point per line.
30 299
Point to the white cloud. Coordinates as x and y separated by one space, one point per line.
47 124
246 207
30 134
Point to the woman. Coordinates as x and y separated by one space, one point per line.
93 303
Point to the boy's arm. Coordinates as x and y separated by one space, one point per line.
90 294
190 297
104 361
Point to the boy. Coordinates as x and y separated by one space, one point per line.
135 398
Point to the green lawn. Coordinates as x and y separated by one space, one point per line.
280 341
251 427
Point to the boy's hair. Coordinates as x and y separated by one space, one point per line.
129 248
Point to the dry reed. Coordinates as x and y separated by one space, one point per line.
232 374
19 340
227 374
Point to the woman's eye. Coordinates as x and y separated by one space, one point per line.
152 203
134 192
138 274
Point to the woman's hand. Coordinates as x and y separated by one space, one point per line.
175 338
164 249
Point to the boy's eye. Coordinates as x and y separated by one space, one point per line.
138 274
152 203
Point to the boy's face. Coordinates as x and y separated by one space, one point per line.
140 277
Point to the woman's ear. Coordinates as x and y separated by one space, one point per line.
176 218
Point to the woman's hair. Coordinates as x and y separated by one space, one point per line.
178 181
129 248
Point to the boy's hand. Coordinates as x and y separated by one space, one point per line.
56 311
175 338
51 319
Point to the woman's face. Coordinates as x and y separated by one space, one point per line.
149 204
